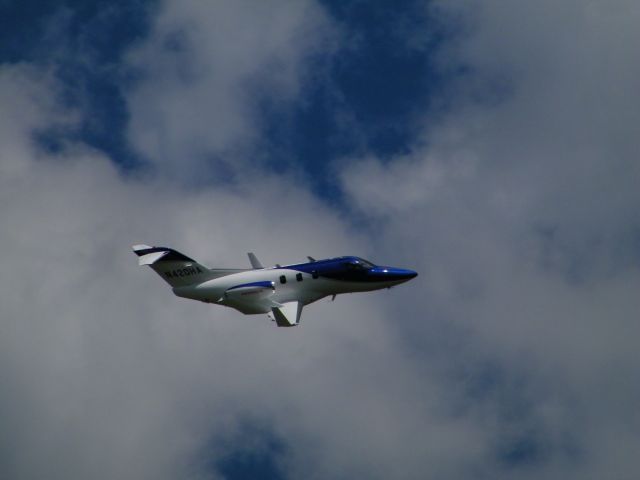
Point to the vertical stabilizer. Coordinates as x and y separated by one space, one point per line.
176 269
255 263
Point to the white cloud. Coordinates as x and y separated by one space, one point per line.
523 209
206 66
107 375
521 326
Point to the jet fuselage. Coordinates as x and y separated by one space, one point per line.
280 291
305 282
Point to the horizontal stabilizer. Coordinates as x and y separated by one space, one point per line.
169 254
151 258
148 255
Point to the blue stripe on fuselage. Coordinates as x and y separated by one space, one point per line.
350 269
320 265
264 284
341 268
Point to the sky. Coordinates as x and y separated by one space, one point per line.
491 146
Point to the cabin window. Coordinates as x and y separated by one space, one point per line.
314 274
299 277
283 279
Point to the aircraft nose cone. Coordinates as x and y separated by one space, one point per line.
396 274
402 274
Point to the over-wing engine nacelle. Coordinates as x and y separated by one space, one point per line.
250 297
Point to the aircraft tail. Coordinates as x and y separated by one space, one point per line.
175 268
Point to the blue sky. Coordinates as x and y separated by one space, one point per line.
374 77
83 42
492 147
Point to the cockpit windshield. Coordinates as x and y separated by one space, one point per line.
365 263
359 264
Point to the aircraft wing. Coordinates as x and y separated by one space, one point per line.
288 315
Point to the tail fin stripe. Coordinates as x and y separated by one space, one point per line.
171 256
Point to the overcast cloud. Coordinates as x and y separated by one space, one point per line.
512 355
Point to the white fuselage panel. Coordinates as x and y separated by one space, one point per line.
299 286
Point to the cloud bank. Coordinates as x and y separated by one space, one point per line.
207 66
511 356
